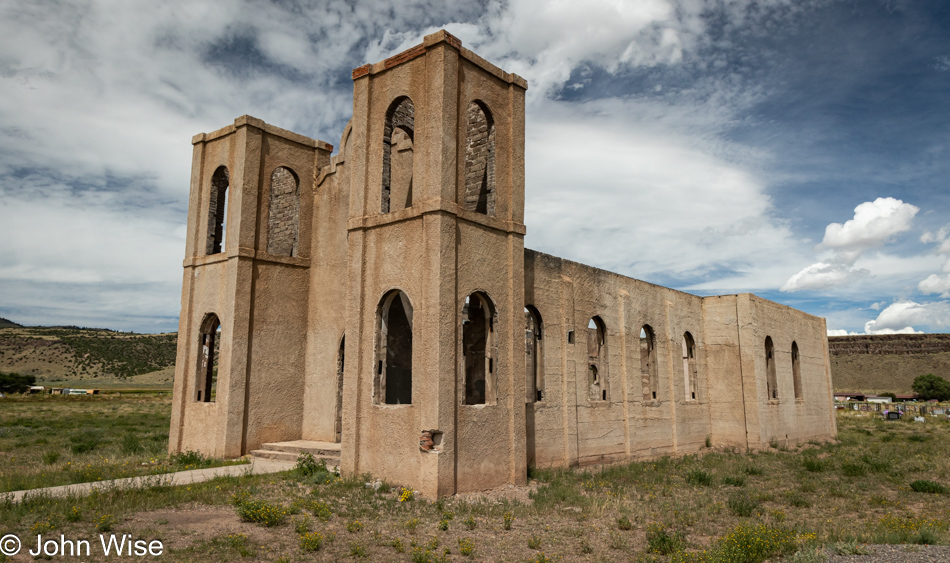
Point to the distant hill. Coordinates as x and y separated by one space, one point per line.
887 362
69 353
5 323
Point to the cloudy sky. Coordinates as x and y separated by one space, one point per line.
799 150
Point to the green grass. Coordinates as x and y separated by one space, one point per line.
60 440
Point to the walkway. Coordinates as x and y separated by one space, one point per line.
257 466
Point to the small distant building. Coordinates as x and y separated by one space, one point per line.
845 397
877 399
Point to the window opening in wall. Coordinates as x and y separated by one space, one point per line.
771 382
478 341
284 214
480 160
689 366
394 350
570 337
209 353
648 368
398 135
217 211
534 358
796 371
597 360
339 390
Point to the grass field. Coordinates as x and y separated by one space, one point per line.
882 482
49 440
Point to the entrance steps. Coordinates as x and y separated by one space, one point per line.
289 451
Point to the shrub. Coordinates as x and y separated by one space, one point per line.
753 470
853 470
354 526
50 457
261 512
754 543
813 465
405 494
797 499
302 525
624 523
508 518
734 481
534 542
663 541
470 523
104 523
923 486
443 525
742 505
466 546
189 458
699 477
321 510
311 541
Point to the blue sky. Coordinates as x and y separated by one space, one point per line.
799 150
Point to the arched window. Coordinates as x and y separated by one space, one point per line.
478 349
796 371
398 137
339 389
394 350
597 360
284 215
534 358
771 383
217 211
209 350
480 160
689 366
648 369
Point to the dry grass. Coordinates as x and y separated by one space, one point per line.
665 509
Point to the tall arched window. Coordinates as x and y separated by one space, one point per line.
480 160
796 371
398 135
771 382
209 350
339 389
648 368
478 349
284 215
689 366
534 358
217 211
394 350
599 390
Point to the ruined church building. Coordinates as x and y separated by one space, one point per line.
382 298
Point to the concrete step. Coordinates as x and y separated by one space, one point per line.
292 457
290 451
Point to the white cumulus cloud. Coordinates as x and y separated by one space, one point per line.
938 283
874 223
900 317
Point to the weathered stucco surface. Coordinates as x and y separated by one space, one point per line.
388 311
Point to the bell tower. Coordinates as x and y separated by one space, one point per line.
435 296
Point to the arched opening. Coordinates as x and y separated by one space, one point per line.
208 356
394 350
339 389
689 366
796 371
648 368
283 217
534 358
478 343
217 211
480 160
597 360
771 382
398 135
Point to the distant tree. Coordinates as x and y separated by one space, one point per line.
889 394
931 386
16 383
